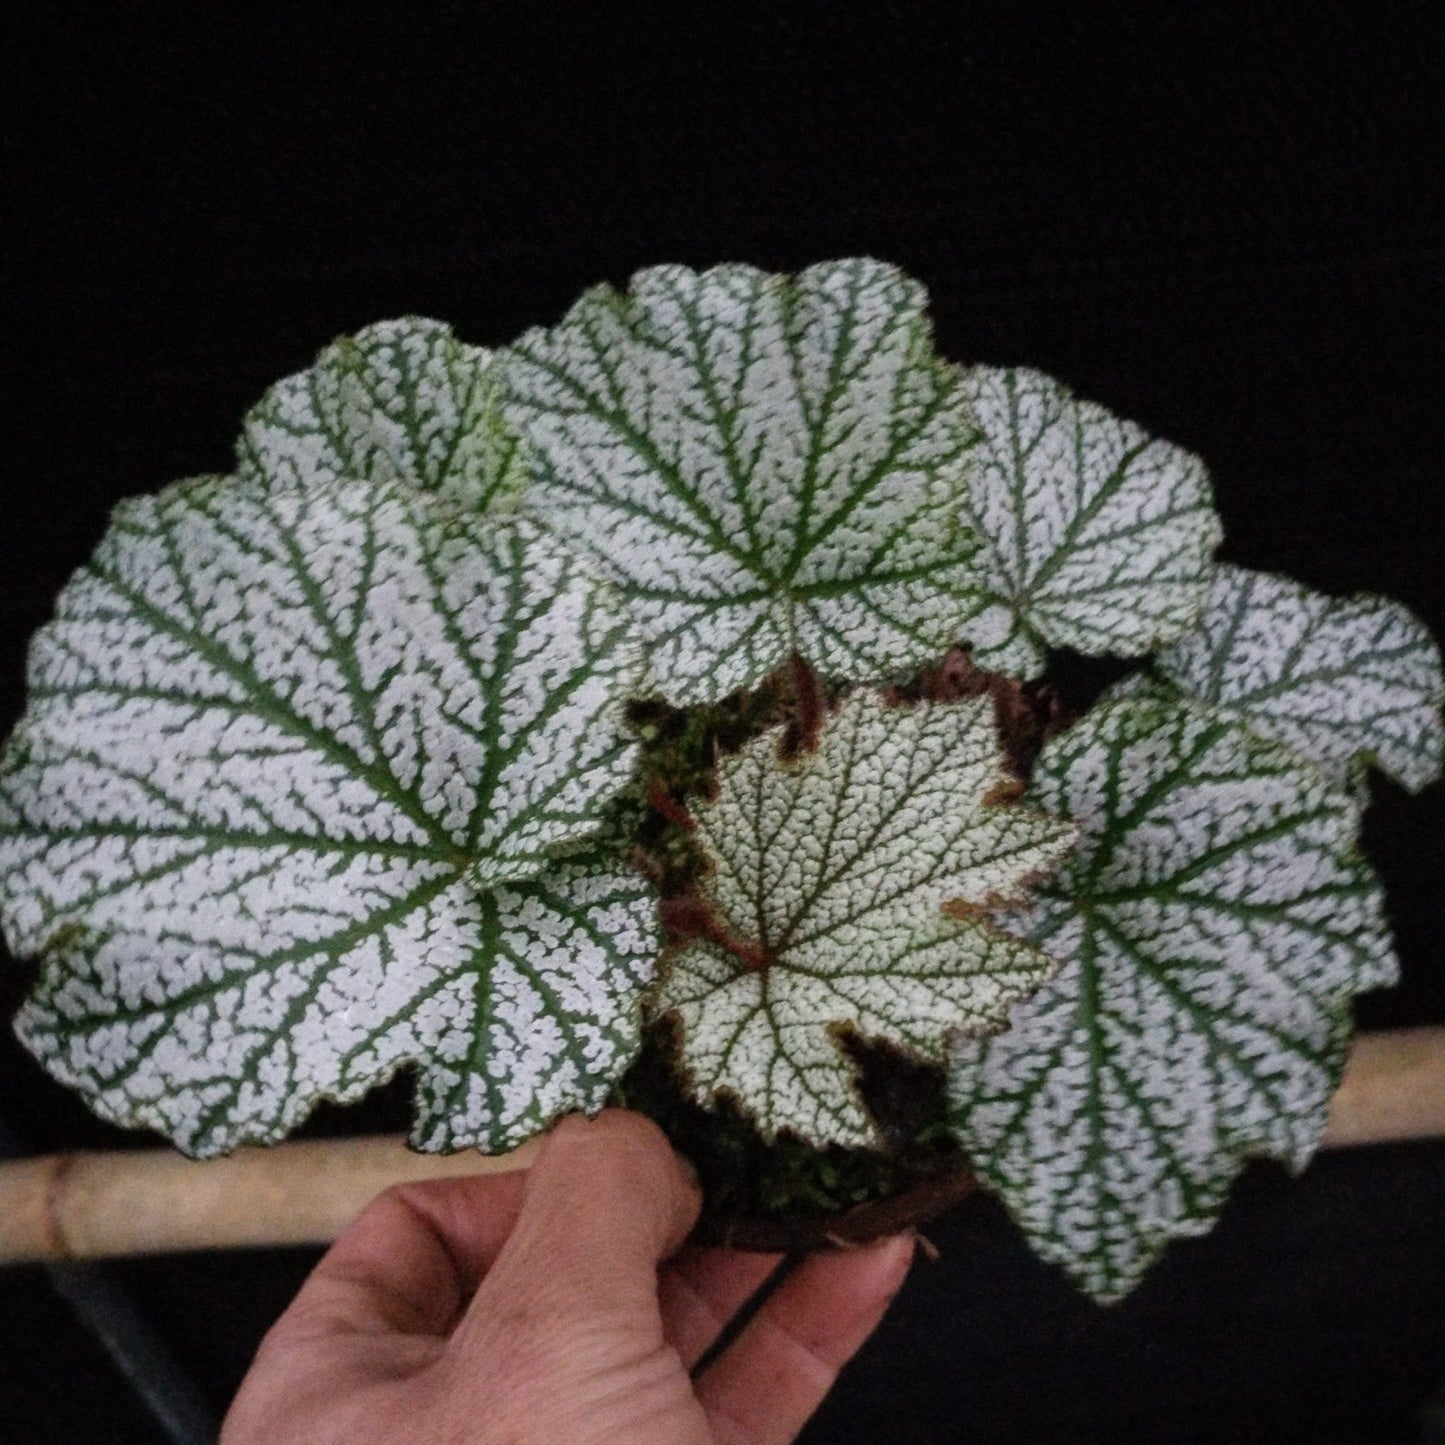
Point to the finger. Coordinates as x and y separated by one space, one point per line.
412 1259
763 1390
702 1289
605 1201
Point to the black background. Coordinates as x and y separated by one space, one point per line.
1225 222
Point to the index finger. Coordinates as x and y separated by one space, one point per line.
412 1260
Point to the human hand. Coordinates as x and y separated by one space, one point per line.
555 1307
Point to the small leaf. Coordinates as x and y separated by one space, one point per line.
833 871
1099 536
284 810
401 401
1214 924
1337 679
767 465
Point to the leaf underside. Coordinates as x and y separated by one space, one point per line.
1099 537
767 465
285 809
1337 679
401 401
838 867
1214 924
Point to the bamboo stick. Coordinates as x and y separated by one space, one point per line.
1393 1089
148 1201
94 1205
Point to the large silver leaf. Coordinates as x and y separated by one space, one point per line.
284 815
767 465
401 401
1214 925
834 870
1339 679
1099 535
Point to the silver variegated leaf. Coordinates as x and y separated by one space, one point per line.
767 465
1337 679
1099 536
285 809
401 401
1214 925
833 872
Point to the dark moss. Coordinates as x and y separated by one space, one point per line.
744 1176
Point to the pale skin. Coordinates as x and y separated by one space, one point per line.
559 1305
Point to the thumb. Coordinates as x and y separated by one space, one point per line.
606 1201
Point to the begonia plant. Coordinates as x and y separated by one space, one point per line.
657 710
